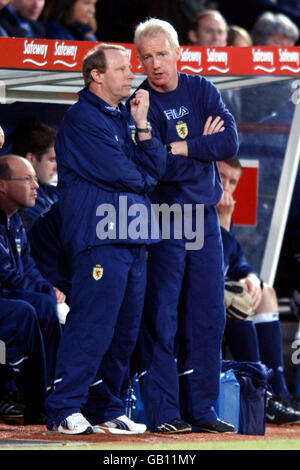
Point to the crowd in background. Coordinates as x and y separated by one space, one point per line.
256 21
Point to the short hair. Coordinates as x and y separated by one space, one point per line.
236 32
34 137
273 23
5 169
153 27
95 59
206 12
234 163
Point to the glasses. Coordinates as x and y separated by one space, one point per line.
27 179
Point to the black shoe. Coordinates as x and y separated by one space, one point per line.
217 427
175 426
11 412
278 413
290 402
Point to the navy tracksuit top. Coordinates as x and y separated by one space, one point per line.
96 148
177 115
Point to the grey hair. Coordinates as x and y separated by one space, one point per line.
273 23
154 27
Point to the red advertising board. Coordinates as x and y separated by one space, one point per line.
245 195
67 55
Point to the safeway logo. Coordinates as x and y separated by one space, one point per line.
36 49
191 56
66 54
290 60
217 57
263 58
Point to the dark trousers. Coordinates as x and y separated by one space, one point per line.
100 333
186 383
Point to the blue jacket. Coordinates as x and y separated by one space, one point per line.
98 162
13 26
78 32
236 266
46 196
181 115
17 268
47 251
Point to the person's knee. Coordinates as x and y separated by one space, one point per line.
25 312
268 301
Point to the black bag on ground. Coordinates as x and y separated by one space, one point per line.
253 380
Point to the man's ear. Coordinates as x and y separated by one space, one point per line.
192 36
96 76
31 157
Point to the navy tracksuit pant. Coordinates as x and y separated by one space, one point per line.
25 353
100 333
189 386
45 312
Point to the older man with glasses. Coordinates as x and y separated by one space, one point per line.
19 277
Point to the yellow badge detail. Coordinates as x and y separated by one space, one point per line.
182 129
97 272
133 132
19 248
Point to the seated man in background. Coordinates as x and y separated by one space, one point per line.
209 30
259 338
274 29
19 277
47 250
24 362
20 19
35 141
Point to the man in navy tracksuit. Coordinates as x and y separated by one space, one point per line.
191 119
19 278
107 163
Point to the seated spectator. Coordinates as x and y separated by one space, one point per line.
20 19
71 19
273 29
35 141
259 338
238 37
209 29
3 3
25 357
19 277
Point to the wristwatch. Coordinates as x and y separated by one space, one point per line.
145 129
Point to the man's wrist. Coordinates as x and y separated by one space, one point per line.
144 128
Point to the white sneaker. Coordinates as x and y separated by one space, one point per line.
75 424
120 425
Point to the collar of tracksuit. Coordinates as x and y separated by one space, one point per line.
93 99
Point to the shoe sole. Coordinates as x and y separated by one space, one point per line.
19 420
181 431
104 430
210 431
62 430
